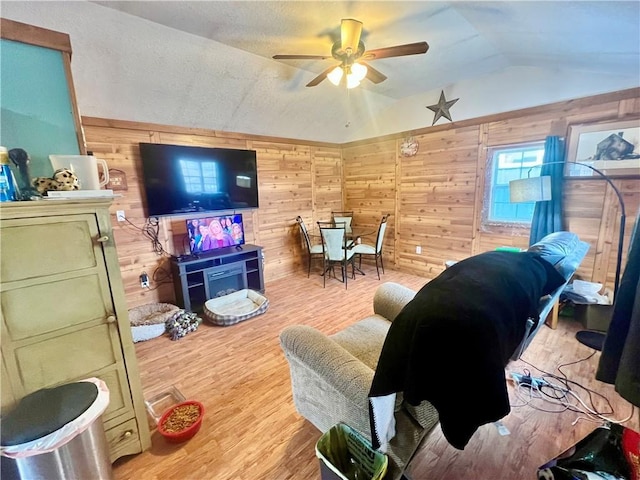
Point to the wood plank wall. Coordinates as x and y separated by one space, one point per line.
440 192
295 178
435 198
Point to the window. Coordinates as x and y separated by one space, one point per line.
199 177
511 163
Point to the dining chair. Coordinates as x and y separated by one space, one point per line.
346 217
337 250
313 251
371 250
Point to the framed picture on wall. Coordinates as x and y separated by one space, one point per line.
611 147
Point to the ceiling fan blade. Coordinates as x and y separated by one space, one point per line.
301 57
350 31
397 51
374 75
320 77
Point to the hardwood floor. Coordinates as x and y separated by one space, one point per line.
251 430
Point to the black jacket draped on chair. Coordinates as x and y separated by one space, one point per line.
450 344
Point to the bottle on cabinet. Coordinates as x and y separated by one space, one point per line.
8 186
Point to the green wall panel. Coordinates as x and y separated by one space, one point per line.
36 110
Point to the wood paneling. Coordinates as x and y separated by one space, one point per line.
435 198
294 179
370 190
440 192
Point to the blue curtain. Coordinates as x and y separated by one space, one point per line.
547 216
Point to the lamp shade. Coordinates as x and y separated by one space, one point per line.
536 189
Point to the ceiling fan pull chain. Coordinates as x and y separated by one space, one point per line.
348 109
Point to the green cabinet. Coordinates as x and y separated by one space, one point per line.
63 312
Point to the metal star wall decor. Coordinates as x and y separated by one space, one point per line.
441 108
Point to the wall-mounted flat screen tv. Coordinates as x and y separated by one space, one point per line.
211 233
181 179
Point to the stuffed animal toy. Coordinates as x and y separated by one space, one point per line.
44 184
67 179
63 179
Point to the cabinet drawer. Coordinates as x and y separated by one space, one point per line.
70 356
123 439
53 245
61 304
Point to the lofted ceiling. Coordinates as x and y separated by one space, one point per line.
494 56
467 39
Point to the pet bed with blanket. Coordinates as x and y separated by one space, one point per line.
235 307
148 321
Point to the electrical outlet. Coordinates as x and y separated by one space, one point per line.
418 249
144 280
120 216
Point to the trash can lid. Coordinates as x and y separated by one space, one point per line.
45 411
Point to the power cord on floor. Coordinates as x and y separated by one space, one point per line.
560 390
567 384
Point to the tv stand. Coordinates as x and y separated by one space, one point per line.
211 274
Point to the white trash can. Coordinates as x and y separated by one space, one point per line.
57 434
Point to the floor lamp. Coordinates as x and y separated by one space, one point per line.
536 189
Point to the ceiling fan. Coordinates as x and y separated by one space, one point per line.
351 53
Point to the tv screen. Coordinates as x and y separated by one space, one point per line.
211 233
182 179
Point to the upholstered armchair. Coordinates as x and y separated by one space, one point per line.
331 376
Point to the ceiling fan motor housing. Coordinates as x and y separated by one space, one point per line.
347 57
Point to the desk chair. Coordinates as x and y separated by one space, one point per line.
371 250
346 217
337 249
313 251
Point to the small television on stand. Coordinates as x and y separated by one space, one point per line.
208 234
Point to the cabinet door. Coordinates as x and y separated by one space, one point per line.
6 391
38 104
58 319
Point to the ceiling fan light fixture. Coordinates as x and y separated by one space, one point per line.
358 71
348 50
335 75
352 81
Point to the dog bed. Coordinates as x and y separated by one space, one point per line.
148 321
235 307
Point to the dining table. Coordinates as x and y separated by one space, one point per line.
355 233
355 236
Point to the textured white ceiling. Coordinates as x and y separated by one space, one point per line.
208 63
467 39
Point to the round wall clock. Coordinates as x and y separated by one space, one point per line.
409 147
